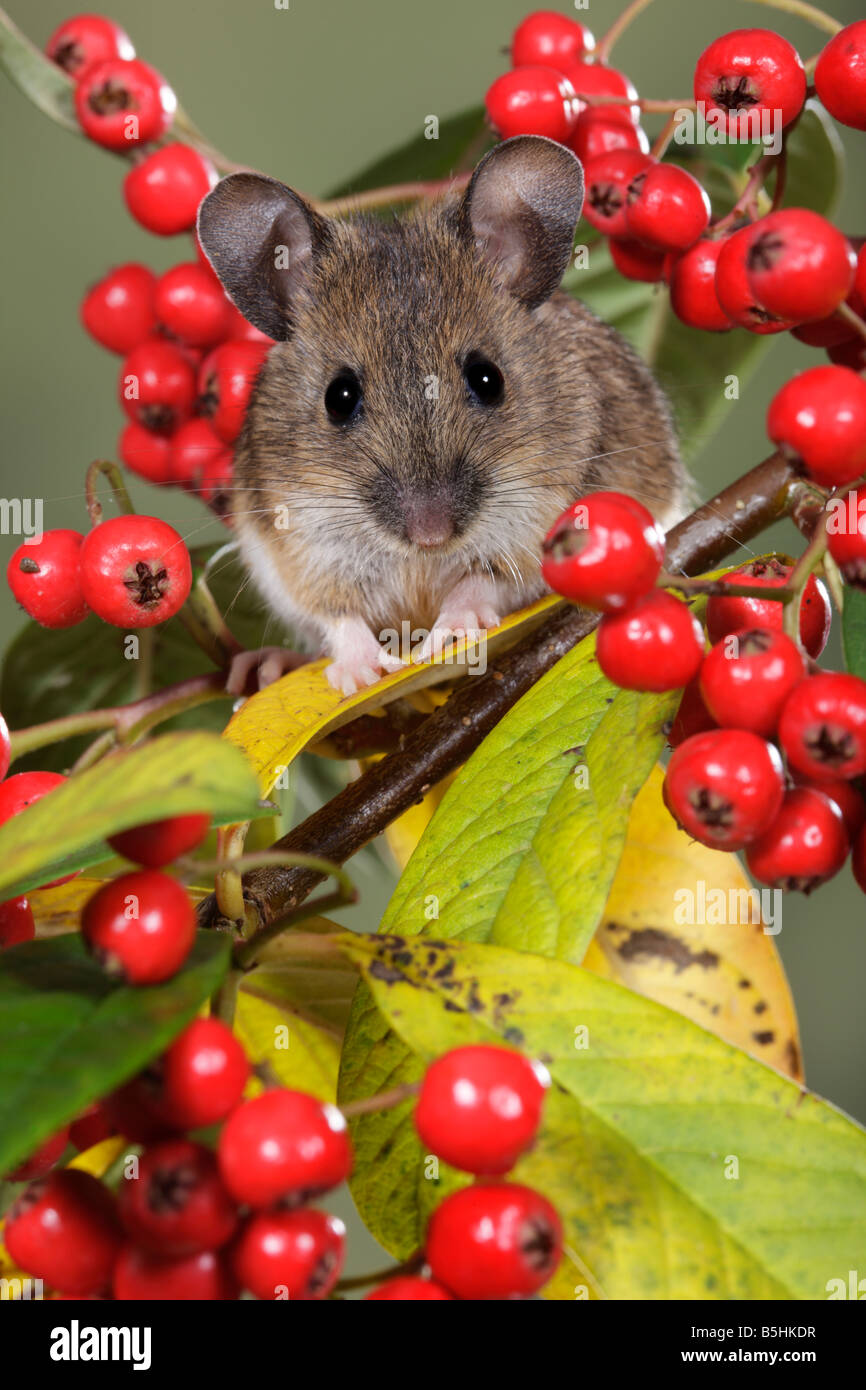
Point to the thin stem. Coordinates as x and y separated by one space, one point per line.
385 1100
229 886
714 587
619 26
664 137
224 1001
105 468
800 576
207 626
746 202
245 955
94 752
810 13
384 197
852 318
360 1281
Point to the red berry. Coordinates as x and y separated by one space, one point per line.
806 844
294 1255
5 748
494 1240
215 483
146 453
746 678
204 1073
822 728
239 329
724 787
85 39
598 80
858 859
191 305
135 571
819 418
177 1205
140 1275
751 74
595 135
479 1107
406 1289
226 382
16 794
157 386
163 191
840 76
607 177
45 578
16 922
92 1127
798 265
728 614
194 448
63 1229
846 797
692 280
532 101
605 551
692 716
118 311
161 841
636 261
734 291
846 537
656 644
122 102
667 208
137 1109
43 1160
281 1144
551 39
141 927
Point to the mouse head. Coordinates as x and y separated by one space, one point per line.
412 377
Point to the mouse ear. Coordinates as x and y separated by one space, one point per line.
262 240
520 210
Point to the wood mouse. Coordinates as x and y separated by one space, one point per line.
432 404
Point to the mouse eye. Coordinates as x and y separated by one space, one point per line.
343 398
484 379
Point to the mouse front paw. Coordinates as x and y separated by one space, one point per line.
470 609
358 658
252 671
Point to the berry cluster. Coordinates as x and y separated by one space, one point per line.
190 358
207 1223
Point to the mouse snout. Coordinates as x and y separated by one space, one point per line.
429 509
428 519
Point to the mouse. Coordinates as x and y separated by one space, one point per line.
433 402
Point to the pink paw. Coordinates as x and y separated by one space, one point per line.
359 659
261 668
468 611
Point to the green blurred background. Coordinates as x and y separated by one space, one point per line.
311 94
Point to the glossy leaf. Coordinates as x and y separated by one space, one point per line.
854 631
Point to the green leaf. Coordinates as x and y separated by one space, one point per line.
854 631
525 844
173 775
71 1035
815 162
681 1167
462 141
47 85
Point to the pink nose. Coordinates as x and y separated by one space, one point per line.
429 522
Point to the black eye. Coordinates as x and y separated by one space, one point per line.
343 397
484 380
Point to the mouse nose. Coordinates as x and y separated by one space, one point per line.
429 521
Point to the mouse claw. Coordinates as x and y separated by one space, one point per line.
261 668
451 625
359 659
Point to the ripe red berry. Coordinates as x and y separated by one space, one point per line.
598 80
43 1160
63 1229
636 261
799 266
819 418
734 291
605 551
753 75
163 191
532 101
161 841
724 787
226 380
595 135
204 1073
140 1275
85 39
846 797
858 859
494 1240
746 678
157 386
191 305
822 728
294 1255
281 1144
177 1205
45 579
118 311
135 571
92 1127
195 446
16 922
728 614
137 1109
140 926
692 716
840 76
122 102
692 280
240 330
806 844
656 644
146 453
551 39
606 178
406 1288
846 537
667 208
215 483
479 1107
20 791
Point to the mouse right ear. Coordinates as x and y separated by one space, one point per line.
520 211
262 240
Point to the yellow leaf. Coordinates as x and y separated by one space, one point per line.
99 1157
723 974
278 723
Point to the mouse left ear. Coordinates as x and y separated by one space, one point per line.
520 211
